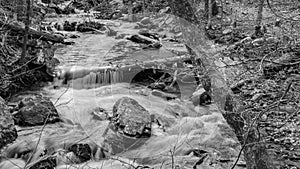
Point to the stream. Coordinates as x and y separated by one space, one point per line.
98 70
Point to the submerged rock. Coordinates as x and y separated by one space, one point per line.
8 132
82 151
34 109
131 119
201 97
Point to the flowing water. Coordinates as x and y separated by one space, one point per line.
98 70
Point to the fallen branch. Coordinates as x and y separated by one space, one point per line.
33 33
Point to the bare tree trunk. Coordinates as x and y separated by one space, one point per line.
130 10
144 7
27 23
209 16
19 9
221 9
259 13
184 10
211 9
258 31
206 7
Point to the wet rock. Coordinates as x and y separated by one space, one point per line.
205 99
64 157
206 83
141 39
33 109
201 97
131 119
100 114
149 35
45 163
73 36
82 151
69 26
89 26
156 45
8 132
59 26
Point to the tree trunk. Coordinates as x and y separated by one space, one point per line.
184 10
258 32
20 12
211 9
209 16
27 23
256 154
214 7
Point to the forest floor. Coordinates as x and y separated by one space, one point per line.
263 74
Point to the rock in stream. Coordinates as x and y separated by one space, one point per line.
8 132
131 119
33 109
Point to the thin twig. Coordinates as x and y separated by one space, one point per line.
65 103
62 94
38 142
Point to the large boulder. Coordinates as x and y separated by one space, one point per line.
131 119
33 109
8 132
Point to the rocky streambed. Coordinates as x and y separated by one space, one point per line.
116 104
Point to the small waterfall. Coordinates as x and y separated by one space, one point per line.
97 79
93 77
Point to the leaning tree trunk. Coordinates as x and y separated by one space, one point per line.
255 153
